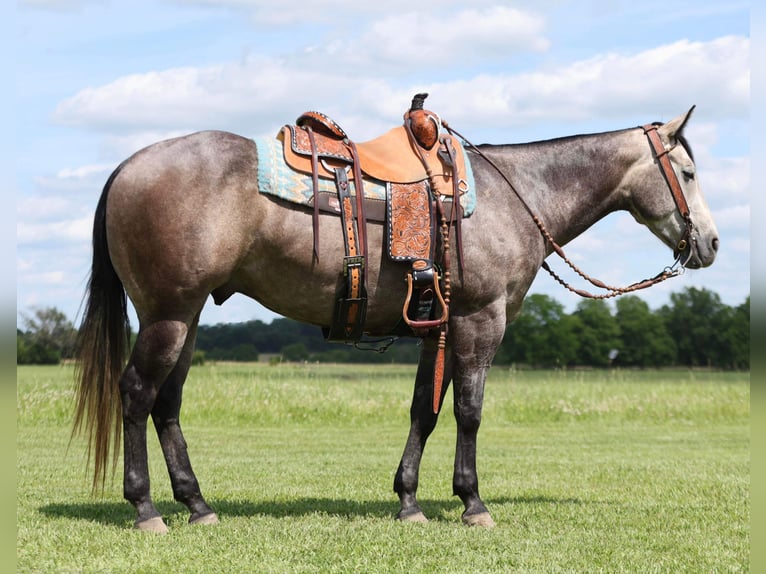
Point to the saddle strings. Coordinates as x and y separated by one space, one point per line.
677 268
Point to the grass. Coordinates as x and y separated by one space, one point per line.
587 471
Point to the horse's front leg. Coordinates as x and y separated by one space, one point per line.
475 340
422 423
469 395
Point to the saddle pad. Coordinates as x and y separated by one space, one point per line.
276 178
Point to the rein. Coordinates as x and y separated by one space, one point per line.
677 268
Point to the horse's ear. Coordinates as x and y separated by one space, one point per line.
675 126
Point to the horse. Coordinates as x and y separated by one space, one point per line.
183 219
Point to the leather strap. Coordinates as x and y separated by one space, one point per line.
661 153
361 220
315 182
456 213
354 261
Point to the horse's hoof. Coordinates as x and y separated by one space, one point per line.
209 518
482 519
414 517
156 525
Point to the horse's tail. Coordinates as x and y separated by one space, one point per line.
102 346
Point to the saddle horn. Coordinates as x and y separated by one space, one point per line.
417 102
423 125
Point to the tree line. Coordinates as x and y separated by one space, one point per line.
695 329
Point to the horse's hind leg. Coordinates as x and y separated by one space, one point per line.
155 354
165 416
422 423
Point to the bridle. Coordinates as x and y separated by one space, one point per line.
677 268
661 154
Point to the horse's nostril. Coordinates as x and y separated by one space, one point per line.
715 244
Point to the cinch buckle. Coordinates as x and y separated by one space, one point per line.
352 262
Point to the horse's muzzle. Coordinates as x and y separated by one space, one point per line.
699 252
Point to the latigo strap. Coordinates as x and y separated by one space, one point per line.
351 306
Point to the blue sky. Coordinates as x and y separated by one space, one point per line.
96 80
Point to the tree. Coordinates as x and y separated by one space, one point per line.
48 337
542 335
644 339
31 353
597 332
295 352
693 319
734 325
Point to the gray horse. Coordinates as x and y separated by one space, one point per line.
183 219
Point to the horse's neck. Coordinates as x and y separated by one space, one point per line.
570 183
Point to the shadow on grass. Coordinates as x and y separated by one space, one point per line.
122 514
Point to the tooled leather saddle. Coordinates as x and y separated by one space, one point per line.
424 170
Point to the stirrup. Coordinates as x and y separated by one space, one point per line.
423 276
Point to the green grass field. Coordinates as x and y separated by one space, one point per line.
583 471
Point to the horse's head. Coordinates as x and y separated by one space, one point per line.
693 236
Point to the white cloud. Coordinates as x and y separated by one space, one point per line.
327 12
714 75
421 40
230 95
249 97
123 145
84 172
65 231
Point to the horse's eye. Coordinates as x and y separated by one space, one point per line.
688 174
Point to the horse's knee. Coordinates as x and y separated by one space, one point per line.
468 407
469 381
468 418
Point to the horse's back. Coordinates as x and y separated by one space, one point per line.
177 218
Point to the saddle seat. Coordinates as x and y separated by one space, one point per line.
391 157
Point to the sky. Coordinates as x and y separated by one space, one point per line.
96 80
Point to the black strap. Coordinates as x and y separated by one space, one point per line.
315 182
361 220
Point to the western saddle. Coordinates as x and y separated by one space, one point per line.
425 173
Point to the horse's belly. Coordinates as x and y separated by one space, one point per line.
284 277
